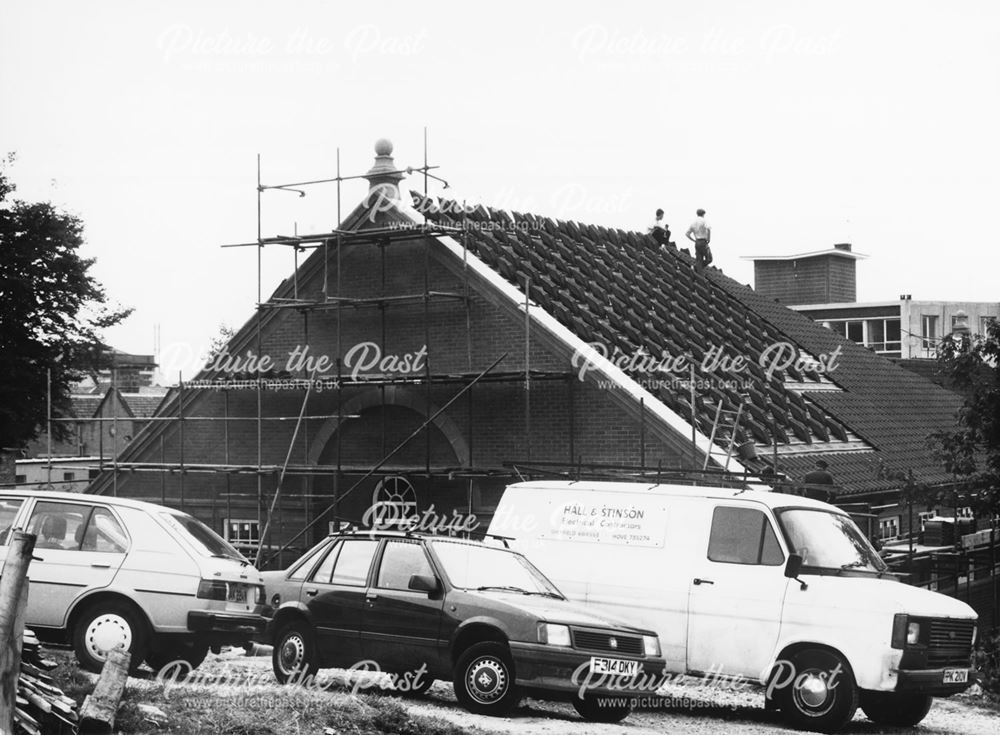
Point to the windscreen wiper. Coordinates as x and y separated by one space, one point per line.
502 588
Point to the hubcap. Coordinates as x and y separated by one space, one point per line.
293 653
486 680
812 693
107 632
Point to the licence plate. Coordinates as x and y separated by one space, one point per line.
613 666
237 593
956 676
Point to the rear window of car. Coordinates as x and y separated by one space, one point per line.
203 538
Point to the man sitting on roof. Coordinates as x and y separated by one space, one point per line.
659 229
700 233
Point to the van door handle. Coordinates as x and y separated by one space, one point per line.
101 566
312 592
370 598
703 581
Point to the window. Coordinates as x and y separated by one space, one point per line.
69 476
743 536
400 561
56 524
305 564
984 324
103 534
929 331
351 565
924 517
20 479
242 531
8 512
882 335
888 528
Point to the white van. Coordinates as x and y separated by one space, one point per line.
111 572
771 587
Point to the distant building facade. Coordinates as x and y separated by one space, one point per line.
823 286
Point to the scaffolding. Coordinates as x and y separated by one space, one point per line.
271 476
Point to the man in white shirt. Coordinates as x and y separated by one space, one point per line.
700 233
659 229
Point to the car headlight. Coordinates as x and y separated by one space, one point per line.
912 634
905 632
554 634
651 645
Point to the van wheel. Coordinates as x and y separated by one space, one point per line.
903 709
484 679
104 626
591 708
294 655
823 695
189 654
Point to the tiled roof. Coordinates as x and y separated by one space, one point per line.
142 405
619 288
84 406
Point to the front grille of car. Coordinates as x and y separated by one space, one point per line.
593 640
949 643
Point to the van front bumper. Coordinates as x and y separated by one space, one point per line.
562 671
931 681
223 628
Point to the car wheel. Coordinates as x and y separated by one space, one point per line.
592 708
294 654
484 679
189 654
902 709
822 696
105 626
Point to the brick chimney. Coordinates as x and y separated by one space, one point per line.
821 277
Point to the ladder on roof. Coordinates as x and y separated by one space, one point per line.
727 421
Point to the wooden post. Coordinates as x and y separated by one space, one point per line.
99 708
13 600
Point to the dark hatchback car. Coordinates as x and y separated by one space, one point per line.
476 614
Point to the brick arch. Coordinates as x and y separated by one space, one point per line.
394 396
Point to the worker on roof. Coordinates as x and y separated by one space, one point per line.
819 476
659 229
700 233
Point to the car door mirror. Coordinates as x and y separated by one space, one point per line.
424 583
793 565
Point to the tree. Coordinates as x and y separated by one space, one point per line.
971 451
52 312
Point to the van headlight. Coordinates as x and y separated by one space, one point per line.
651 645
905 632
554 634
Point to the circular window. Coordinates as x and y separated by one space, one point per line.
394 502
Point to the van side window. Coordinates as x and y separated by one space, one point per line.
8 512
743 536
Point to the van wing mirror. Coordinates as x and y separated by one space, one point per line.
793 565
424 583
792 568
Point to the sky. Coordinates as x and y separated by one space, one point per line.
796 125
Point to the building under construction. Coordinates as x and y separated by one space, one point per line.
425 353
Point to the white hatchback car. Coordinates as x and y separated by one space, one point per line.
111 572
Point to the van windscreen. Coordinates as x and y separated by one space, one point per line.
828 540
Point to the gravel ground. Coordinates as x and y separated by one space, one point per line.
695 709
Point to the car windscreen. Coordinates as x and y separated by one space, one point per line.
203 538
474 567
828 540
